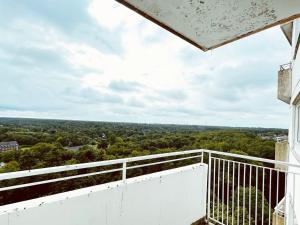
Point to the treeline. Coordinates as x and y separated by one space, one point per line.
42 141
45 154
32 131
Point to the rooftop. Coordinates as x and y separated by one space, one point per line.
8 143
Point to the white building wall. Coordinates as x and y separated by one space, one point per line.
296 62
294 153
172 197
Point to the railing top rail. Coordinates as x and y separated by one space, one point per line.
49 170
56 169
286 66
252 158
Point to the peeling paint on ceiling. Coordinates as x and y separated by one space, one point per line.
211 23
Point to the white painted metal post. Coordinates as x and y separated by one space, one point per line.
244 199
256 194
286 203
208 187
277 200
124 172
250 189
214 188
228 172
293 200
218 199
238 195
233 174
223 191
270 191
263 198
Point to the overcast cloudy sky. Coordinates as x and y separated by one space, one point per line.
97 60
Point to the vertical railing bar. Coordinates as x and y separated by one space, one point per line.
263 198
238 195
293 204
209 184
250 175
124 171
244 184
277 184
228 167
214 188
233 173
285 198
223 191
270 196
202 157
218 200
256 190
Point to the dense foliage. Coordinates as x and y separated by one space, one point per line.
43 141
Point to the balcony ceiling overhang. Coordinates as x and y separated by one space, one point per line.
209 24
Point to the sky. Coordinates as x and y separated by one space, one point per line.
97 60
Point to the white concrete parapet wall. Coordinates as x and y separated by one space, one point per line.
171 197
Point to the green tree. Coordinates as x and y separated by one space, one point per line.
11 166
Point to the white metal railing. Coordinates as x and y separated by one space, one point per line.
241 189
286 66
124 168
248 190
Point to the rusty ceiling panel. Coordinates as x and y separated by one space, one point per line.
209 24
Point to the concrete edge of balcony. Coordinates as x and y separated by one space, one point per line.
60 197
201 221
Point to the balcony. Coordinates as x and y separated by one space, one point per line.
179 188
284 90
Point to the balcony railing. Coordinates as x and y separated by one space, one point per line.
241 189
286 66
249 190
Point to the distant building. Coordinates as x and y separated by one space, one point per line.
10 145
269 138
103 137
274 138
73 148
52 131
282 138
2 164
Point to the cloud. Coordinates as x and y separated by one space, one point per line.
101 61
174 94
134 102
123 86
101 12
90 96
